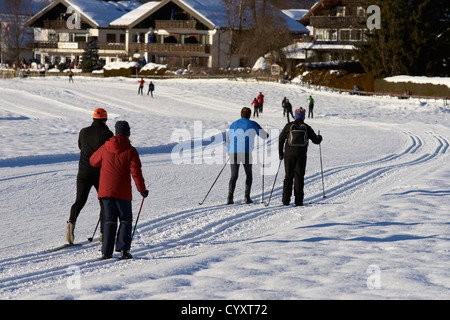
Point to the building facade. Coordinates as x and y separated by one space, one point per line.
173 32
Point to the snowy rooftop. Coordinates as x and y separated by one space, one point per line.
135 14
211 11
295 14
100 13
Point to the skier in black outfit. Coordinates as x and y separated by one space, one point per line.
295 159
151 88
89 140
288 108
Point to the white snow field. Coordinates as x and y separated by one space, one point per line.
382 232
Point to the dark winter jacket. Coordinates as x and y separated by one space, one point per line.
285 150
89 140
118 160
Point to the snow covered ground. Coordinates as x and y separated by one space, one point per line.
382 232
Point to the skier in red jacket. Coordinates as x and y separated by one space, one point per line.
141 86
117 160
260 98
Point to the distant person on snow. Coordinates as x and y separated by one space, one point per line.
141 86
310 101
89 140
118 160
151 88
255 105
239 143
261 102
288 108
70 76
293 148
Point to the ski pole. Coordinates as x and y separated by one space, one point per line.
200 203
137 218
321 168
98 222
262 189
273 186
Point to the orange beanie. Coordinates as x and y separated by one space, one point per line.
100 114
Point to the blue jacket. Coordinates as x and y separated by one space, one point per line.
241 136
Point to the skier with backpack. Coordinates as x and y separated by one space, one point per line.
293 148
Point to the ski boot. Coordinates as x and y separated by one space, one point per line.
70 237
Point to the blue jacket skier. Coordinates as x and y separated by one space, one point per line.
240 142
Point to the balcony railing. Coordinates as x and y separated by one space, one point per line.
175 24
337 22
170 47
76 45
55 24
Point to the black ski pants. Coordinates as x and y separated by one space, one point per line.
295 173
235 164
85 181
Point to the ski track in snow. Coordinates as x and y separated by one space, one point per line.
191 230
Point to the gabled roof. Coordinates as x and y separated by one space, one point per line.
317 8
97 13
212 13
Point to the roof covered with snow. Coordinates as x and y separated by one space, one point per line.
97 12
295 14
210 12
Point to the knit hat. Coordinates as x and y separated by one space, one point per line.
100 114
122 128
300 113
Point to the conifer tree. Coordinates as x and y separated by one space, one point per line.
414 39
90 57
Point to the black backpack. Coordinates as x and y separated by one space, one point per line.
298 136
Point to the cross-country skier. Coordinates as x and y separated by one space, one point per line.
89 140
255 105
295 157
141 86
240 142
151 88
70 76
118 161
260 98
288 108
310 101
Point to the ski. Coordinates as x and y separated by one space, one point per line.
67 245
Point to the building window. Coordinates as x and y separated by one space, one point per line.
344 35
111 37
360 12
340 11
356 35
326 34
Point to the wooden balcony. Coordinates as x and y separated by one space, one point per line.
77 45
333 22
55 24
188 48
176 24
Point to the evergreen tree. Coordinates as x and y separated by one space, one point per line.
90 57
414 39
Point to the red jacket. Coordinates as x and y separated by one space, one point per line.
118 159
260 98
